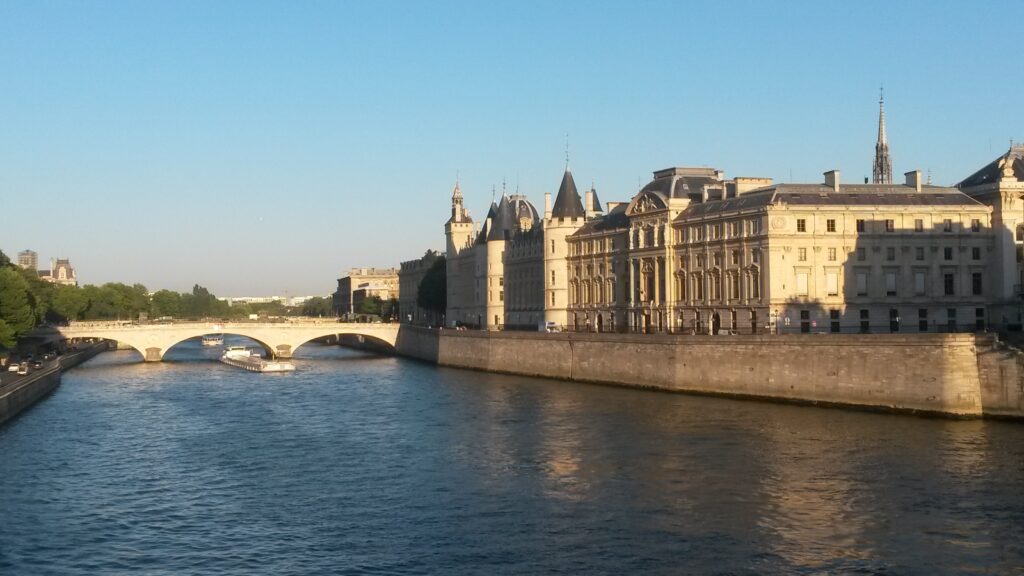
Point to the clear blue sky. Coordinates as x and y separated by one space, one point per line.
265 147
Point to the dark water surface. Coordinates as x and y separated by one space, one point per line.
373 465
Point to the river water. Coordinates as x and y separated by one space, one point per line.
359 464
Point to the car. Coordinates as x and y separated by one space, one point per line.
23 368
13 367
36 363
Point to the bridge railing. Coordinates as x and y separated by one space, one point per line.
219 325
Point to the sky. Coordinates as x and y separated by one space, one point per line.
261 148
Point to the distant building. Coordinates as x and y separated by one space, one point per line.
380 282
60 272
410 275
28 260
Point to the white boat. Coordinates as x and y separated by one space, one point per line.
242 357
213 340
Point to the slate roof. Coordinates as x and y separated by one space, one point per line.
567 202
993 172
597 201
616 219
682 182
823 195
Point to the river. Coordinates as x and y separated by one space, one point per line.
360 464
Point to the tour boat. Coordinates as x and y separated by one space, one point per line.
213 340
242 357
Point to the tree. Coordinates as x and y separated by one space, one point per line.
370 305
4 260
166 303
432 293
15 308
69 302
317 306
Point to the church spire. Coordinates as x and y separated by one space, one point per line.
458 210
882 170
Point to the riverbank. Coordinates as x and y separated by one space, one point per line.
18 393
954 375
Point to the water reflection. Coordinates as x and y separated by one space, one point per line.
359 463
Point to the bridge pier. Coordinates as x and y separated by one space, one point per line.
282 351
153 354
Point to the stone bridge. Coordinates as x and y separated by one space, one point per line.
279 338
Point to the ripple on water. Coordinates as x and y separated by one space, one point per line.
373 465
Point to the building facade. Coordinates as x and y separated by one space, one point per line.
28 259
512 272
380 282
693 252
61 272
410 275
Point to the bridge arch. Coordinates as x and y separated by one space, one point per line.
279 339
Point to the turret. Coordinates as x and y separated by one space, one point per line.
566 217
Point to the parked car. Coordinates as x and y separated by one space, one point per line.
13 367
23 368
36 363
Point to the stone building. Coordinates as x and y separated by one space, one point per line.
28 259
516 250
60 272
380 282
410 274
694 252
1000 185
705 255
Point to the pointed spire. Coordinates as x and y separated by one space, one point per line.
881 117
882 169
568 203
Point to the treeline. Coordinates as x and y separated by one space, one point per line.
27 301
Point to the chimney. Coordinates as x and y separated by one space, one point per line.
609 206
704 193
588 203
913 179
832 180
547 205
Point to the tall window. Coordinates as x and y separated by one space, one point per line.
801 225
801 254
832 283
801 284
862 284
975 253
976 283
860 225
975 225
918 225
890 253
830 225
832 254
890 225
949 284
947 225
890 283
861 254
919 253
947 253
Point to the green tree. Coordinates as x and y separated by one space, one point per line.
15 308
69 302
432 293
317 306
4 260
166 303
369 305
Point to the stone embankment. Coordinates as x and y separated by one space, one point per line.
20 392
959 375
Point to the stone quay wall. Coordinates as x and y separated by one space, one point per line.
21 392
962 375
